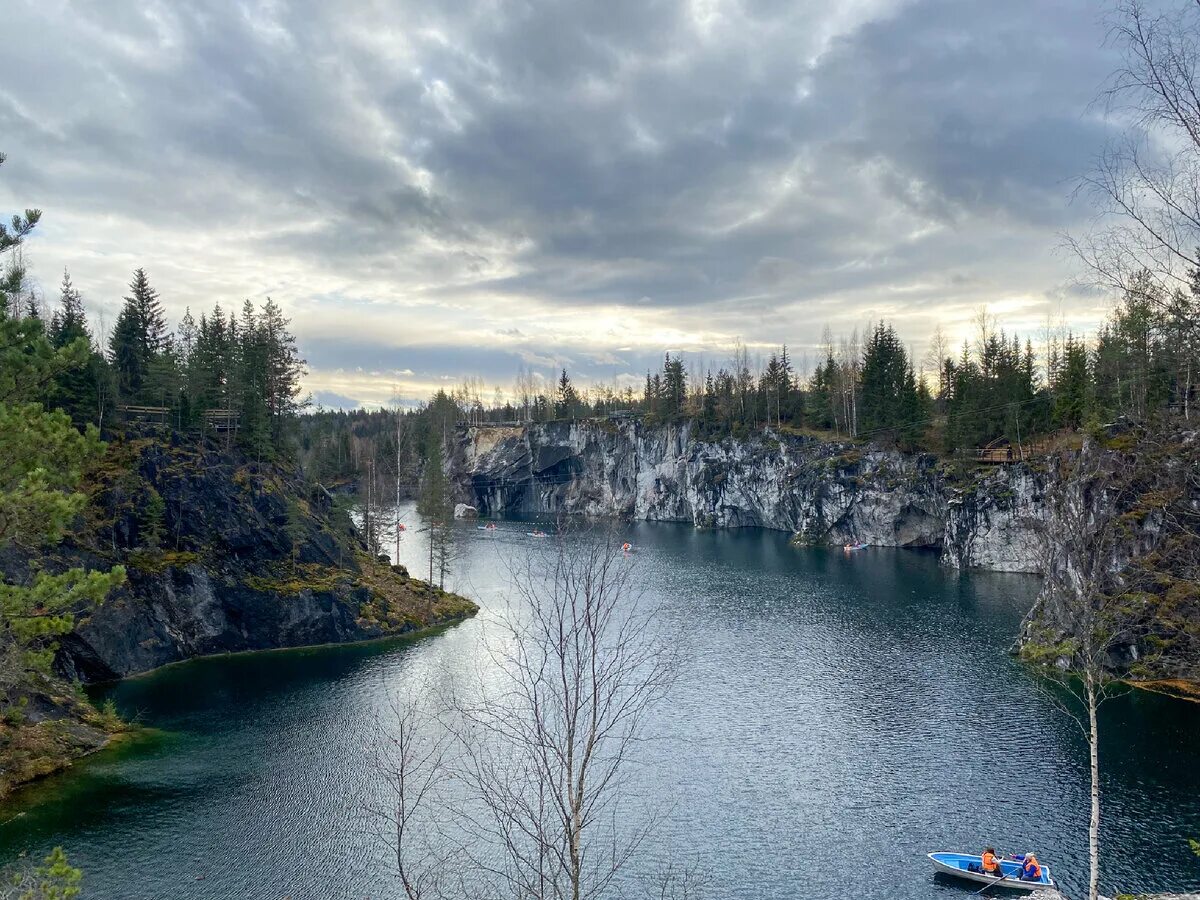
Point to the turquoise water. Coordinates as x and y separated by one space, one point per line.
825 733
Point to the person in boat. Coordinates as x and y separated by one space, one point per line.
1031 870
990 864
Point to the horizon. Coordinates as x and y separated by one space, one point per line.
437 195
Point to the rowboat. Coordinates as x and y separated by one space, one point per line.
957 864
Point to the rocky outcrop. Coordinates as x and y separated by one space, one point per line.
994 521
223 554
823 492
1122 559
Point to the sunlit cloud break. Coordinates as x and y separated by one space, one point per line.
440 190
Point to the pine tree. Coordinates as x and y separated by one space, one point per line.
42 457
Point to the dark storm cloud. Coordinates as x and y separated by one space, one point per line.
711 160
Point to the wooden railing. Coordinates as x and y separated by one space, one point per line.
993 455
221 419
159 414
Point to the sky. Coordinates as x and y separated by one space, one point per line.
439 190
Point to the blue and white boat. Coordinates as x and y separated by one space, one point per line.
960 865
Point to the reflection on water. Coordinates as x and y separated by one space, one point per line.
825 734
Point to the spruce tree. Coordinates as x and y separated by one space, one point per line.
138 344
566 402
77 390
283 369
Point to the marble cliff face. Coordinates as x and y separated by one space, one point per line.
823 492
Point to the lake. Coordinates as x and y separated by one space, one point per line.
836 717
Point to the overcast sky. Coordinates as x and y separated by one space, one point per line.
440 189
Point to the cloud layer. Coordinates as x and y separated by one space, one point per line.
438 190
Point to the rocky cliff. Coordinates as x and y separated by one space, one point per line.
223 554
823 492
1122 558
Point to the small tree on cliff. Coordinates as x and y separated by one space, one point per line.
434 504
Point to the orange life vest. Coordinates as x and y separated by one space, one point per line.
1032 870
989 863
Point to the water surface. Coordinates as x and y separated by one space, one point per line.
837 717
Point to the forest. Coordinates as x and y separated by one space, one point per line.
233 374
995 389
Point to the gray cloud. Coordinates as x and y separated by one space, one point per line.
449 172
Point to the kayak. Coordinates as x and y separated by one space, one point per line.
956 864
855 547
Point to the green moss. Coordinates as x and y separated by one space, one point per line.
155 561
306 577
846 460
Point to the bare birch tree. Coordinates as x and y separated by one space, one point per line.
1147 183
543 745
411 752
576 669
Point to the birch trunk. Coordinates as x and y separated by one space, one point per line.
1094 824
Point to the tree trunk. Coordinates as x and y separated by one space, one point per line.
1094 824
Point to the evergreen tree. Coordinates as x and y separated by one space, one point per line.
42 456
673 387
890 401
81 391
254 423
1072 388
138 344
12 277
820 393
283 369
566 401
